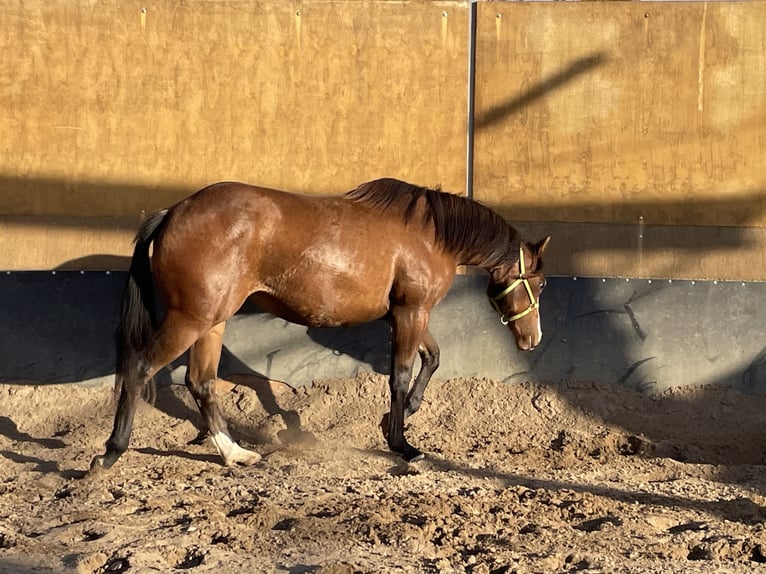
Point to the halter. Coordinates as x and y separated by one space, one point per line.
533 303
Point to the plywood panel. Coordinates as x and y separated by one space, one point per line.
110 109
623 112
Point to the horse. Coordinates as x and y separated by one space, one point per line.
387 249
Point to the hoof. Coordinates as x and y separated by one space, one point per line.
243 458
199 439
409 453
416 458
102 462
96 465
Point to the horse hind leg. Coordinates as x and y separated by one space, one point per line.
130 389
201 378
174 336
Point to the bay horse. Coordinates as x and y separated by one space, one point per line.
385 249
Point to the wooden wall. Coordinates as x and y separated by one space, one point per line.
634 132
638 127
111 110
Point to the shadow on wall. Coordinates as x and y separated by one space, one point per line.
546 87
29 196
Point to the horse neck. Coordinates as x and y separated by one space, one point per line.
490 254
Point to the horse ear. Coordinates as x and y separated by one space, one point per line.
542 244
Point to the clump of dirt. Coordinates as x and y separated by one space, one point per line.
518 478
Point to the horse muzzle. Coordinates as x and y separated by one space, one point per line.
527 343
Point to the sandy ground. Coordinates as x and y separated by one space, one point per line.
573 477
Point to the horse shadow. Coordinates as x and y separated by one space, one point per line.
233 373
10 430
368 345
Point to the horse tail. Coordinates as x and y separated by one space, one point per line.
138 314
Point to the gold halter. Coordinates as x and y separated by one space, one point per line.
533 303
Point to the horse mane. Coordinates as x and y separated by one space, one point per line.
461 225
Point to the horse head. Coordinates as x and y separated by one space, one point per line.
514 292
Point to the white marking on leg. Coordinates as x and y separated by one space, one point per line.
231 452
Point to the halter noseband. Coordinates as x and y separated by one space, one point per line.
533 303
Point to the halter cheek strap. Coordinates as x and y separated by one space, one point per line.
521 280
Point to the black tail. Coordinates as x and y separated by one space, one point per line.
138 317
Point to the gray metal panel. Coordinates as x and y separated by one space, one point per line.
648 335
651 335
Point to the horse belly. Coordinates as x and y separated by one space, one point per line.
331 284
319 308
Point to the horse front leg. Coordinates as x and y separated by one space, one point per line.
407 329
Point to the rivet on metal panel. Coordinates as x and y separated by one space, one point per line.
298 21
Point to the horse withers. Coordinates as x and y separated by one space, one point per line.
385 249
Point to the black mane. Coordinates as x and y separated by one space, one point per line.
461 225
